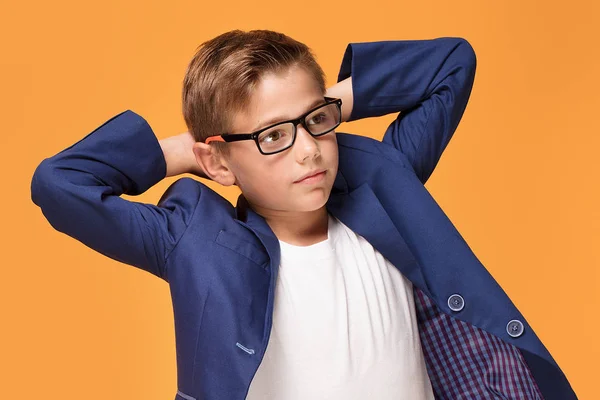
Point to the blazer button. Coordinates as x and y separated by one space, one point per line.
456 302
515 328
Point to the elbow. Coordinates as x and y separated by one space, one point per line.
48 193
466 54
47 189
41 183
43 191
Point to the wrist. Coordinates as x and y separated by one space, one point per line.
343 90
178 154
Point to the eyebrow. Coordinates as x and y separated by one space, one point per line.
280 119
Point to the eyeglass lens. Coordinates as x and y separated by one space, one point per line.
319 121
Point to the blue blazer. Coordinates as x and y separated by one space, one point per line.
221 261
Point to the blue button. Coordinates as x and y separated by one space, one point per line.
515 328
456 302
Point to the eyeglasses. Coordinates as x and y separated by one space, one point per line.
278 137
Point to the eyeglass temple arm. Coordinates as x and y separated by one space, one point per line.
229 137
214 139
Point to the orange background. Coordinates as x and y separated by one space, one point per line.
519 179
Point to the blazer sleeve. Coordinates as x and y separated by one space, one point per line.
78 191
428 81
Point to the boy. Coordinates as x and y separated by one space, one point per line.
336 275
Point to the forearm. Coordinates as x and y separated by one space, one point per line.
343 90
397 75
179 156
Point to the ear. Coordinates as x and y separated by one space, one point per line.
214 164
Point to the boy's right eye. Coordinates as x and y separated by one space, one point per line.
272 136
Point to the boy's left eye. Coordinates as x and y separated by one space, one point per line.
319 118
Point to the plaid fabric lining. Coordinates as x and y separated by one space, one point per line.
466 362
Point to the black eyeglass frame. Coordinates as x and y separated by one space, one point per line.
234 137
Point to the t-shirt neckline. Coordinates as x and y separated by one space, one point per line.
322 249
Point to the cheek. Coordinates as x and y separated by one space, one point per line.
328 142
329 150
264 178
271 178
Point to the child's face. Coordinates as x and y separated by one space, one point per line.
269 181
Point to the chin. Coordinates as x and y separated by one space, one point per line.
313 204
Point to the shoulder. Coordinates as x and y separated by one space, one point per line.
193 199
353 145
195 191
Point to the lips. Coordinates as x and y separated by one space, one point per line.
312 173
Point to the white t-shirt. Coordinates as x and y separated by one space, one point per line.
344 326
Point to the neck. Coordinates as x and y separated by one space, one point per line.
302 228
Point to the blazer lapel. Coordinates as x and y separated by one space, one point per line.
256 223
361 211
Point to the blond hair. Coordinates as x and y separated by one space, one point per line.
225 71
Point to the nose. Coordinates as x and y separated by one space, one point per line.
306 145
